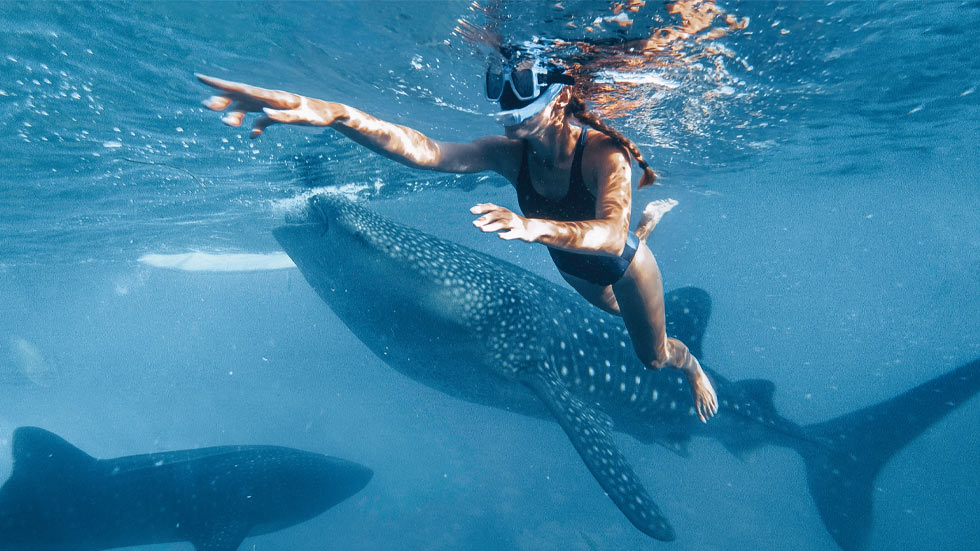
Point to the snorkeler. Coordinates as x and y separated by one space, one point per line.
573 187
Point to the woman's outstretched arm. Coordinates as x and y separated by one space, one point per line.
399 143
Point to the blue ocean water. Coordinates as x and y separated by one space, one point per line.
828 202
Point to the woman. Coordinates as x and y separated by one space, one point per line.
573 186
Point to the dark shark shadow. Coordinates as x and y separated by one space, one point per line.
490 331
59 498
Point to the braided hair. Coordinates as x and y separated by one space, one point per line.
578 108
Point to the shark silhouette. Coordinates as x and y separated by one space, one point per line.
59 498
488 332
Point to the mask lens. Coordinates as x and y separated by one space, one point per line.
495 85
524 83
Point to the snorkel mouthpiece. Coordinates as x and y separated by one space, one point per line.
514 117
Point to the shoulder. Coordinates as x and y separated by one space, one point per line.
599 146
604 157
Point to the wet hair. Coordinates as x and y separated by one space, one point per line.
578 108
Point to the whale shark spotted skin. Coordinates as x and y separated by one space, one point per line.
488 332
59 498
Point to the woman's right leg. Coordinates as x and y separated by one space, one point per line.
640 297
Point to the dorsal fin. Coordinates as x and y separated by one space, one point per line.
39 451
688 310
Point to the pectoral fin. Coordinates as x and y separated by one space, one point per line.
588 433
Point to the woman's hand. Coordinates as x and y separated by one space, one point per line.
496 218
277 106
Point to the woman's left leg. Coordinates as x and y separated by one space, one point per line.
601 296
640 297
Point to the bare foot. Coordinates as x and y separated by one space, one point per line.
705 400
652 213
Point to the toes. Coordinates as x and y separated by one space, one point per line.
707 406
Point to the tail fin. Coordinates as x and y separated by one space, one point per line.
844 455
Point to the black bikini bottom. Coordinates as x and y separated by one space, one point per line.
601 270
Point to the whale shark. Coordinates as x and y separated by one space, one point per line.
488 332
59 498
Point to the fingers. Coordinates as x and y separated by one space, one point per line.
495 220
277 105
500 219
488 225
237 90
233 118
217 103
483 208
492 216
236 115
218 83
260 126
496 226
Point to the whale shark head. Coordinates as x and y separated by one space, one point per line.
356 254
398 288
353 246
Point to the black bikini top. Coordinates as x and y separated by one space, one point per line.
578 203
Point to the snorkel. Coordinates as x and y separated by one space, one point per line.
514 117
